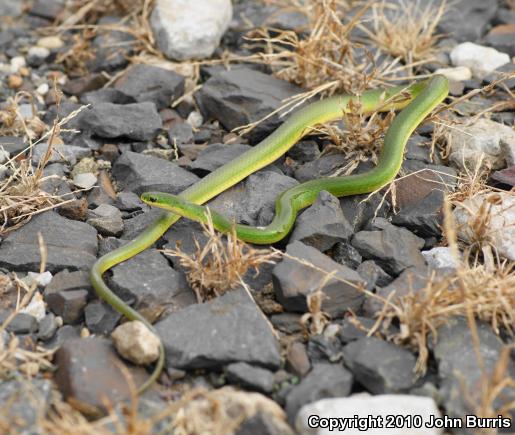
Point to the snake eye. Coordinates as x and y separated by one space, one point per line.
151 198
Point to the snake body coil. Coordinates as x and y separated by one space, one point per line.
417 101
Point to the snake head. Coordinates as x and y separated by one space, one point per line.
149 197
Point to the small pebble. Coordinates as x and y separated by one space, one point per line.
195 119
456 74
50 42
14 81
136 343
481 60
43 89
17 63
36 307
85 180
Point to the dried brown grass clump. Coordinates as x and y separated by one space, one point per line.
327 60
220 264
406 30
12 122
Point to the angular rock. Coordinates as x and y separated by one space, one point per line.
500 227
263 423
140 173
70 244
344 253
481 60
253 201
85 181
425 217
379 366
138 121
501 38
89 372
150 83
68 304
467 20
101 318
484 139
65 280
506 176
393 248
180 133
354 328
242 95
12 144
322 224
106 95
148 281
107 219
294 281
324 166
47 327
228 329
440 258
459 369
304 151
373 274
61 153
373 407
215 156
254 378
24 402
325 380
190 30
21 323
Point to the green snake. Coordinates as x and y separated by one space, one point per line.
417 101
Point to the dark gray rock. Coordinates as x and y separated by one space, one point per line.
65 280
68 304
360 209
501 38
324 381
89 372
61 153
460 372
70 244
253 201
263 423
355 328
216 155
101 318
140 173
62 335
322 348
373 274
467 20
22 323
254 378
304 151
25 402
47 327
294 281
423 217
112 47
507 71
153 84
148 281
412 279
321 167
393 248
242 95
138 121
379 366
323 224
228 329
129 202
180 133
106 95
417 149
47 9
346 254
11 8
107 219
12 144
289 323
55 181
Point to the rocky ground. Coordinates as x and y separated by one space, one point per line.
398 302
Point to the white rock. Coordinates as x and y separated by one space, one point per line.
500 231
135 342
481 60
17 62
85 180
456 74
43 89
4 156
41 279
186 29
36 307
38 52
483 138
50 42
195 119
363 406
440 257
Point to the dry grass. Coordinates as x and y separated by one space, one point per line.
406 30
220 264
